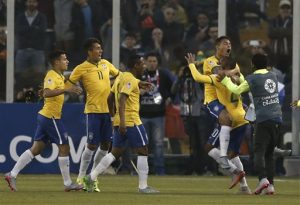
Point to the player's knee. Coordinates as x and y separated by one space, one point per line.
105 145
208 147
92 147
117 152
35 151
232 154
142 151
224 118
64 150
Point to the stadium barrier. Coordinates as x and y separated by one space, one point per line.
17 127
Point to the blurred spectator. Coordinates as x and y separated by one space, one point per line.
172 38
152 110
87 19
3 54
280 33
156 44
173 31
106 37
150 16
208 47
3 13
198 32
195 6
249 49
27 95
63 35
30 30
197 121
130 15
180 13
129 47
47 8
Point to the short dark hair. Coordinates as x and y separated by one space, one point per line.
220 39
153 54
55 55
89 43
132 60
230 62
260 61
130 34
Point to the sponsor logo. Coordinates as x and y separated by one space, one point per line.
270 86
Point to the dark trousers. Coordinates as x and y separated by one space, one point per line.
265 139
198 129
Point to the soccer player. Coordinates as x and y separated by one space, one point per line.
94 74
263 85
233 105
210 66
50 127
127 125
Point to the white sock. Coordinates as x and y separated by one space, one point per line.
224 137
64 166
23 160
143 168
98 156
237 162
215 154
86 158
102 166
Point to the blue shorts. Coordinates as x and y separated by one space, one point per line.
215 108
99 128
236 137
136 136
50 130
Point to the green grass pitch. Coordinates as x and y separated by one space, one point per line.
122 190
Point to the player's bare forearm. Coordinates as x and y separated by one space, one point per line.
48 93
111 104
122 105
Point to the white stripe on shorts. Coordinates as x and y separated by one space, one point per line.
140 135
56 128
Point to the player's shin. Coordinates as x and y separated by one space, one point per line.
143 169
103 165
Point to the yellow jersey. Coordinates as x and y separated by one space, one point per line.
53 105
232 102
96 82
127 84
209 90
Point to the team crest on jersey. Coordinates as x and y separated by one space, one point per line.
103 66
270 86
49 81
128 85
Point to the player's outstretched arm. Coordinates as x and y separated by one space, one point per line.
122 104
47 93
197 76
111 104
